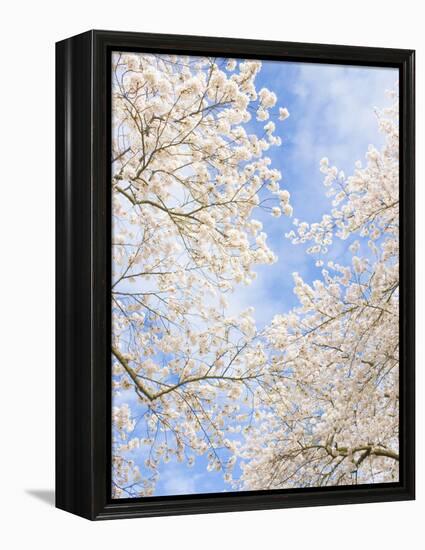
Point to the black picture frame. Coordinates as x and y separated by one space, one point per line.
83 252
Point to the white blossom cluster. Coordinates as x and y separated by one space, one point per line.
186 179
334 417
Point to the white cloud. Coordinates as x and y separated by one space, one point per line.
336 111
178 481
179 485
332 115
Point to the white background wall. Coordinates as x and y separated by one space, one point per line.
28 33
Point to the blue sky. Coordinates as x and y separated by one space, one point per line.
331 114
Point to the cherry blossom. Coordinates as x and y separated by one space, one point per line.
334 417
187 178
310 400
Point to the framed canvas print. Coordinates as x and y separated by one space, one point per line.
235 274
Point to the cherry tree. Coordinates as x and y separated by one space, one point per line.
333 418
187 176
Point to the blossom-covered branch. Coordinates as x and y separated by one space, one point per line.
335 420
187 177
